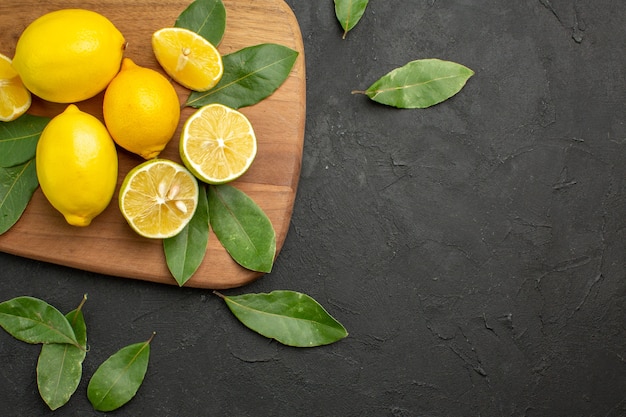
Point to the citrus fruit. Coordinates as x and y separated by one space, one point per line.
217 144
141 109
76 164
68 55
158 198
14 97
188 58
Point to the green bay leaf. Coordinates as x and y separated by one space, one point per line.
205 17
250 75
117 379
32 320
17 185
242 228
290 317
59 367
185 252
349 12
419 84
18 139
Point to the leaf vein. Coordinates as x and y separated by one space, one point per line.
123 372
35 323
238 223
238 80
407 86
16 138
243 306
206 20
10 190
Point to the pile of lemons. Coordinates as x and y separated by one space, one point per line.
71 55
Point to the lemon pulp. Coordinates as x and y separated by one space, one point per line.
218 144
15 99
158 198
188 58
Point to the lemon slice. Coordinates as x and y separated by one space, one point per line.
217 144
15 99
188 58
158 198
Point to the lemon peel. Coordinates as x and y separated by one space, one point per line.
77 165
141 109
68 55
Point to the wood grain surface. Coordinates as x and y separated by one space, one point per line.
108 245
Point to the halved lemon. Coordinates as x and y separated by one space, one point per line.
15 99
158 198
217 144
188 58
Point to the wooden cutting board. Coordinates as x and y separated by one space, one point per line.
108 245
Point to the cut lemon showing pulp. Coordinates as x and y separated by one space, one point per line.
15 99
158 198
217 144
188 58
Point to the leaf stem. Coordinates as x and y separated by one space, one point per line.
79 308
82 303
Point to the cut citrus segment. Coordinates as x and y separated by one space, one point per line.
188 58
158 198
15 99
217 144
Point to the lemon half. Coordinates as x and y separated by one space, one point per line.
158 198
218 144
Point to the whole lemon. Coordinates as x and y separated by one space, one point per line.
76 164
69 55
141 109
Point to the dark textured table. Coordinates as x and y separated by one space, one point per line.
474 250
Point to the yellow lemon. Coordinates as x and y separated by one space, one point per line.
141 109
68 55
14 97
158 198
217 144
76 164
188 58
